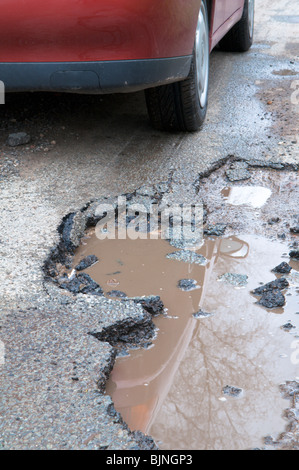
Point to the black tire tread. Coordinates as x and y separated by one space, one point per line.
172 107
176 107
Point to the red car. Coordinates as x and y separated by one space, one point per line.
101 46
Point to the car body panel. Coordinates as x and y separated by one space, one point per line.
225 13
96 30
100 46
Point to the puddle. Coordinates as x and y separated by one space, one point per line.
267 205
255 196
212 338
210 377
287 18
284 72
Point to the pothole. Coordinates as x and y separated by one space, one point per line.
208 376
212 335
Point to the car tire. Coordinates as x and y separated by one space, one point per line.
240 37
182 106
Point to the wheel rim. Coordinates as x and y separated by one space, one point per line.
202 56
250 17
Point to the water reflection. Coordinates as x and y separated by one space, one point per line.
173 390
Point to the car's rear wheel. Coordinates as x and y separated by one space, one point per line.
240 37
182 106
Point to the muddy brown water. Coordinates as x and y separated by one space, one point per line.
173 389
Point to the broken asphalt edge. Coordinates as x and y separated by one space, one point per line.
123 323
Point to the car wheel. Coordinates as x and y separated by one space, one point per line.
240 37
182 106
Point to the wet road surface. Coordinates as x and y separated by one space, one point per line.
212 331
